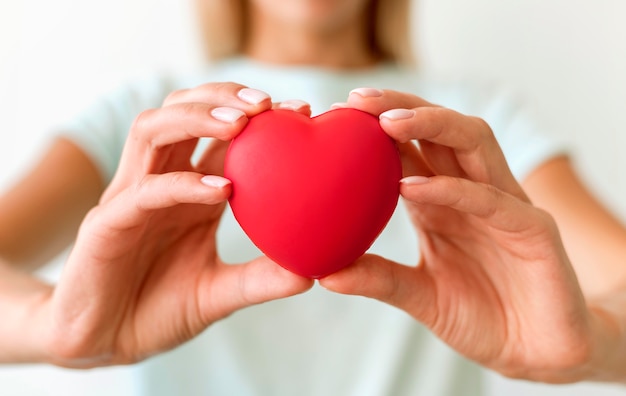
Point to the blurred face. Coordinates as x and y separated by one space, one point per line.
318 15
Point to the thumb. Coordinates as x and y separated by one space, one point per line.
408 288
233 287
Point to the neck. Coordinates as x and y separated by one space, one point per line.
345 47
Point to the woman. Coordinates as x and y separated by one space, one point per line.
148 274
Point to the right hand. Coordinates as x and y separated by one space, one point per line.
144 275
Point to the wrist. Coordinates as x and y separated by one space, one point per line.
35 325
24 302
608 363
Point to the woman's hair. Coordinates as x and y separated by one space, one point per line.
223 25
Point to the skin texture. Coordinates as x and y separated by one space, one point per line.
493 281
327 33
529 282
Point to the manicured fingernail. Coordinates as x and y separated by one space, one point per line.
227 114
293 104
338 105
215 181
415 180
397 114
252 96
367 92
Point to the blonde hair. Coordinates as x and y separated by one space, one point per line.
223 25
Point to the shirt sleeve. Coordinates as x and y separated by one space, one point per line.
101 129
526 143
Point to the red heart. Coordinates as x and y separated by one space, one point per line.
313 193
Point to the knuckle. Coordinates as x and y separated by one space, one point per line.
203 93
392 292
483 129
139 191
189 110
437 119
218 88
497 196
175 180
141 124
455 190
227 86
429 114
174 96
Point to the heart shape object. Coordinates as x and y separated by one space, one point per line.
313 193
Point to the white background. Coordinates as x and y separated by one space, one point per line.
567 57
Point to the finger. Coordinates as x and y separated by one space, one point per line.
416 118
176 129
503 211
157 128
453 144
136 203
377 101
404 287
438 125
250 101
187 116
234 287
164 140
296 105
216 110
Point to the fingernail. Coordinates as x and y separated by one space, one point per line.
367 92
215 181
397 114
293 104
252 96
415 180
227 114
338 105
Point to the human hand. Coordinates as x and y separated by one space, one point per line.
144 275
493 280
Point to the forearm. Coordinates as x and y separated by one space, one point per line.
40 214
609 325
22 306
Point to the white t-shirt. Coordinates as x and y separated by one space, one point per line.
317 343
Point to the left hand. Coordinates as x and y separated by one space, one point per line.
493 281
